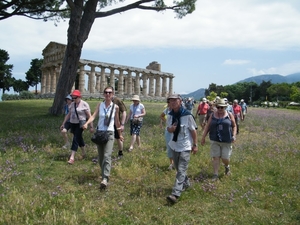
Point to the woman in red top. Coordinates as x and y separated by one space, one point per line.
238 115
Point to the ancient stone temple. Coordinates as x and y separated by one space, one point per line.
95 76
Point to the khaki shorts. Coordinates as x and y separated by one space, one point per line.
202 119
220 149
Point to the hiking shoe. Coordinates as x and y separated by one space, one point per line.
215 177
227 170
172 199
120 154
103 184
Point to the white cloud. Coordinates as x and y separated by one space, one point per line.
284 69
235 62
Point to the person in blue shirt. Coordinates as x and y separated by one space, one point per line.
67 125
244 108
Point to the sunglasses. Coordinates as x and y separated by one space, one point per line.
107 92
74 97
220 107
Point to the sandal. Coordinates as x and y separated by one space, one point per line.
130 149
71 161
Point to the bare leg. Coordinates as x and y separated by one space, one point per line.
138 141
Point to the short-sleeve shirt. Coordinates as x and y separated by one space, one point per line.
122 107
184 139
82 108
136 110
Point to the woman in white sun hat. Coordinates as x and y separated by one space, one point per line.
136 115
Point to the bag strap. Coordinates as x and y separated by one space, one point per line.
112 109
76 111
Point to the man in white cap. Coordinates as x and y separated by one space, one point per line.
202 112
244 108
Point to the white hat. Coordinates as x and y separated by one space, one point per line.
204 99
225 99
136 97
242 100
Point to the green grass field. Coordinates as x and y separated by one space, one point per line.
37 186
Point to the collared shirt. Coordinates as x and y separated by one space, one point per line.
185 139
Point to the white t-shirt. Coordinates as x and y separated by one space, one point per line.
136 110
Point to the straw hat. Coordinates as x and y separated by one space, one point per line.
136 98
221 102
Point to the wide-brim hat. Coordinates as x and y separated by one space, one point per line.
68 97
174 96
136 98
221 102
76 93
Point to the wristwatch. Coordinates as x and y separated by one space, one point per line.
195 145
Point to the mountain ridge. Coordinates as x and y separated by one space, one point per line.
274 78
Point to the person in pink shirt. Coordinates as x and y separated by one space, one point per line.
238 115
202 112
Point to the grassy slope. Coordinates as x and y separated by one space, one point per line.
38 187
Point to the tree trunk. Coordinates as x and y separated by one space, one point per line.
79 28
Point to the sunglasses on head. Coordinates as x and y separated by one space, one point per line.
220 107
107 92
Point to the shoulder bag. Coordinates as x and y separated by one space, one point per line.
102 136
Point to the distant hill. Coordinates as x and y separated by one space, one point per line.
274 78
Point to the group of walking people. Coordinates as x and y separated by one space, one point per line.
180 133
112 117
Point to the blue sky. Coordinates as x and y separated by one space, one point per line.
222 42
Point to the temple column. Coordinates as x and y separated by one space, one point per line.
98 79
121 83
43 81
52 79
137 89
164 86
81 79
129 83
145 93
151 86
103 80
157 86
170 85
58 70
112 78
92 80
126 85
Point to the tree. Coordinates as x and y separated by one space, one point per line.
20 85
82 14
6 79
295 93
34 74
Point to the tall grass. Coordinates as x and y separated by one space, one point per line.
37 186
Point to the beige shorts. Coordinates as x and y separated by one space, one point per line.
220 149
202 119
